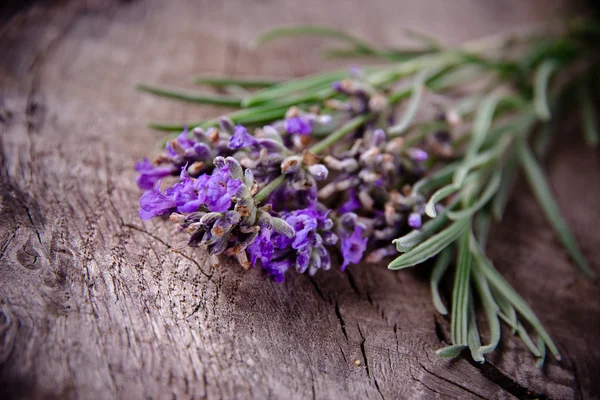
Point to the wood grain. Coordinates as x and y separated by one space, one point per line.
95 304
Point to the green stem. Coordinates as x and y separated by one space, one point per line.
267 190
340 133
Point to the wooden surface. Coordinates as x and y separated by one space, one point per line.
94 304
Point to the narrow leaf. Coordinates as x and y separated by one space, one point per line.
540 89
490 306
413 105
192 97
509 176
461 292
430 247
473 338
450 351
539 185
482 199
441 265
588 117
542 349
251 82
312 30
501 286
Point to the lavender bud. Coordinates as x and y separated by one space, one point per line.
378 103
177 218
417 154
291 165
235 169
226 125
195 168
219 162
378 137
248 178
348 221
414 220
282 227
329 238
242 259
202 150
366 200
325 119
264 220
209 218
319 171
199 133
219 246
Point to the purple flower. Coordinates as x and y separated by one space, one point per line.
190 193
417 154
150 174
304 223
262 248
220 188
154 203
180 144
306 249
298 125
241 138
353 247
277 269
414 220
352 204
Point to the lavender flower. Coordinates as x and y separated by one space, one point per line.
305 251
353 247
151 174
298 125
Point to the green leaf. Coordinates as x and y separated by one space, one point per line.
414 237
441 265
509 176
481 226
542 349
438 196
312 30
450 351
413 105
482 199
540 89
473 338
588 117
497 282
539 185
522 332
430 247
246 116
306 83
482 124
443 176
252 82
490 307
192 97
459 319
542 141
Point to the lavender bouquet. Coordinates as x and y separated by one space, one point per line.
405 162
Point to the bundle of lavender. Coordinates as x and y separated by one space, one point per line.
415 157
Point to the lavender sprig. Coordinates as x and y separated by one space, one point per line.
374 161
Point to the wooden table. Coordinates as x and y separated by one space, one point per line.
93 302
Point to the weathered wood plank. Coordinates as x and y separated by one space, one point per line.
95 304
